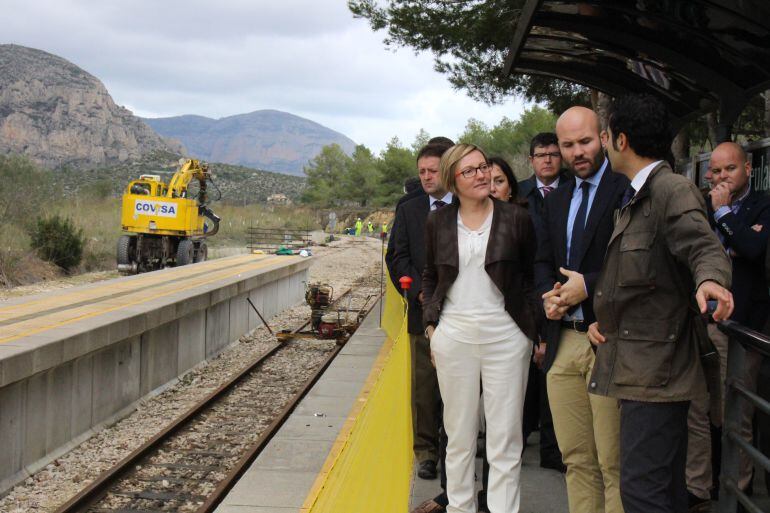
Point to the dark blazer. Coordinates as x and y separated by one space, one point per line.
748 247
390 252
508 262
535 201
408 239
552 246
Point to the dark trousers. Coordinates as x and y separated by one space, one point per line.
426 402
549 448
653 456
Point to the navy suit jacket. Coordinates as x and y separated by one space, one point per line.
535 201
408 239
748 247
390 252
552 246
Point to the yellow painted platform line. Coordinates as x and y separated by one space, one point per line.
64 317
347 429
109 289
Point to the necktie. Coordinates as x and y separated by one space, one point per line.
627 196
578 227
547 189
438 204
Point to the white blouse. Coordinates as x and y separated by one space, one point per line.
474 308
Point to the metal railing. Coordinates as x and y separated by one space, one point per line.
741 341
270 239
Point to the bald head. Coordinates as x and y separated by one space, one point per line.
731 149
578 132
578 117
729 164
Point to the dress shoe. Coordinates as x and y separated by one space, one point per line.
556 465
429 506
697 505
427 470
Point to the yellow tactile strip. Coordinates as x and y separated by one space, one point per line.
148 287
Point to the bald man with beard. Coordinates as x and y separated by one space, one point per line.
577 225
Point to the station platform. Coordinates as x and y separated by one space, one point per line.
542 490
293 471
283 477
74 360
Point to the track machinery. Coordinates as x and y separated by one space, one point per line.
166 224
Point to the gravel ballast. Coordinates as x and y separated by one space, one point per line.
342 264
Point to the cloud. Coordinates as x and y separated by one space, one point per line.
307 57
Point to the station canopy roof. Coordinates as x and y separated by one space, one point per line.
696 55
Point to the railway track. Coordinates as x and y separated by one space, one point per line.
192 464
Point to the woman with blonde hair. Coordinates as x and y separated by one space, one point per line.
481 316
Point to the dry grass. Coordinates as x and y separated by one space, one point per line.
100 221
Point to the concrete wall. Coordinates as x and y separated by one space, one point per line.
71 386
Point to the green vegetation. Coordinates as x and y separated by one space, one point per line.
364 180
92 204
56 239
469 41
238 184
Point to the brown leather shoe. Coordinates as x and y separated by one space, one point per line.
429 506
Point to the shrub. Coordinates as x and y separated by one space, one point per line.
57 240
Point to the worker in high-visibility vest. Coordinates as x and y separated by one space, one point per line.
359 227
370 228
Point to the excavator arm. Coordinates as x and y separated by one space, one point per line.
191 169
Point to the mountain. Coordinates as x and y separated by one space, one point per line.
237 184
265 139
59 115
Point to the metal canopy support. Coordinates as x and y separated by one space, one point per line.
522 29
729 109
695 55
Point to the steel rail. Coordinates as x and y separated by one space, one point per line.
102 484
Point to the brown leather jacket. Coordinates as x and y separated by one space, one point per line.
509 262
661 250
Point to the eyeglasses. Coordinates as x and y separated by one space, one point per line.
553 155
470 172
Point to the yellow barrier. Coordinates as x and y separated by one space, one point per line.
369 467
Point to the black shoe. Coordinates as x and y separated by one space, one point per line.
482 501
427 470
697 505
556 465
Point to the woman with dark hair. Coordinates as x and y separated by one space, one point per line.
481 315
503 185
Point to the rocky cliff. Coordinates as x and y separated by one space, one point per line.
265 139
59 115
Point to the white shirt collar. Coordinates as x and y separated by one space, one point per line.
642 175
447 199
540 185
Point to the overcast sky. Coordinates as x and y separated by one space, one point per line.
307 57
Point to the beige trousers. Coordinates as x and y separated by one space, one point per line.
587 429
698 472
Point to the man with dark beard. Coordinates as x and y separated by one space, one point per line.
577 225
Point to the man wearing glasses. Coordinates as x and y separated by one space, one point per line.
548 175
545 157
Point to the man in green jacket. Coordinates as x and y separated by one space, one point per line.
661 253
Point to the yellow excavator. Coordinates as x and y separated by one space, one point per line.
166 225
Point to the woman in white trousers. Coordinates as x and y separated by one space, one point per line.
480 314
